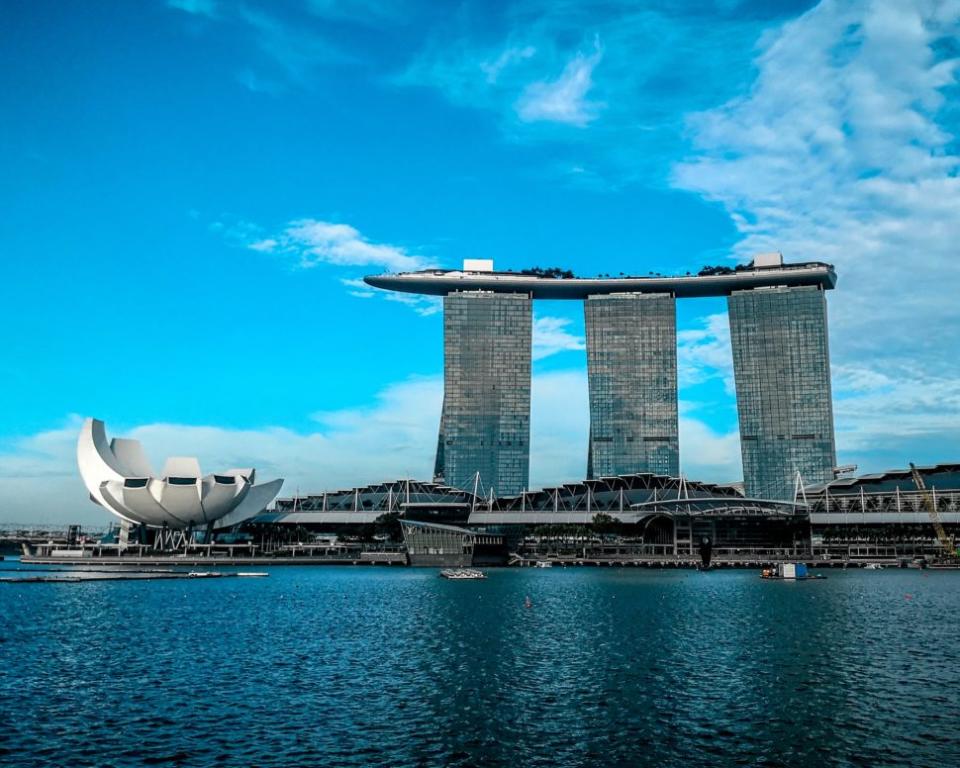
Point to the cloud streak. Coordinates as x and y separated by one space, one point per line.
392 437
292 41
551 336
195 7
839 151
621 73
312 242
704 353
563 100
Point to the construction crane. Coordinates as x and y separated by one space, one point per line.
949 548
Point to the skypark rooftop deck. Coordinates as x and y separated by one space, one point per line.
439 282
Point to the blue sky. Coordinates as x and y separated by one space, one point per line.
192 188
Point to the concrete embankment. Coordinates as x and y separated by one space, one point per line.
399 558
361 558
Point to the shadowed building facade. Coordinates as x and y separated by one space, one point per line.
781 364
632 375
485 424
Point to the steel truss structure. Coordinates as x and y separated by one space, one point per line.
629 498
392 496
888 497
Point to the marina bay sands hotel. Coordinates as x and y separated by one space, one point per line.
781 364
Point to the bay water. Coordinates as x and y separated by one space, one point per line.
357 666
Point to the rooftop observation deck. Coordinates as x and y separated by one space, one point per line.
718 281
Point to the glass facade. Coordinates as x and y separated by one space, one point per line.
781 363
485 425
632 374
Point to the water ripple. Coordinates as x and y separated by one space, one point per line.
368 666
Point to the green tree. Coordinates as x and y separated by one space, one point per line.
603 523
388 524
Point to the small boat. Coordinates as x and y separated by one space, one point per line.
873 567
203 574
252 574
544 564
789 572
458 574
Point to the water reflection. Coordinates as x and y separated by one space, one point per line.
368 666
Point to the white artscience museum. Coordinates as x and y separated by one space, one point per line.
120 478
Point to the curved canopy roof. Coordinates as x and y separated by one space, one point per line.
438 282
943 477
629 498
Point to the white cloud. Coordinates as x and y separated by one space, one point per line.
310 243
704 353
559 427
292 41
39 482
267 245
195 7
316 242
919 407
507 57
707 454
425 306
544 71
256 83
836 154
563 100
372 12
841 151
313 242
293 50
392 437
360 289
550 336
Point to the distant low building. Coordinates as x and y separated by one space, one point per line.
435 544
885 514
669 516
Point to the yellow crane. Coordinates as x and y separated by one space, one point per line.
949 548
